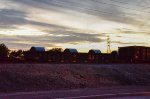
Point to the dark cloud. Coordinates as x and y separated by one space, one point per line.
127 43
131 31
51 39
64 37
27 46
72 37
10 18
47 25
23 42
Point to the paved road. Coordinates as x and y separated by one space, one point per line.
135 92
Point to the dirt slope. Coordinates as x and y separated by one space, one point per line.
33 77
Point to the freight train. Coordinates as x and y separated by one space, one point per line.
128 54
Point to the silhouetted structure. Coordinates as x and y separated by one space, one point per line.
134 54
35 54
94 51
108 45
128 54
37 49
70 55
94 56
69 50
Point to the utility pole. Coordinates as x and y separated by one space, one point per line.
108 45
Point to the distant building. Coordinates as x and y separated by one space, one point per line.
134 54
69 50
37 49
94 51
70 55
35 54
94 56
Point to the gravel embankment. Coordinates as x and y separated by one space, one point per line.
35 77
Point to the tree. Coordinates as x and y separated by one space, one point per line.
56 50
4 51
17 54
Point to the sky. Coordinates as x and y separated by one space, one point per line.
80 24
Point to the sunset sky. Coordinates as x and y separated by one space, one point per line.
81 24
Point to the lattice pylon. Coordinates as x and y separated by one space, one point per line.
108 45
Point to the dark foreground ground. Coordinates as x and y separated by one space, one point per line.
117 92
43 77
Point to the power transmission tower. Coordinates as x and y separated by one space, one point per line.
108 45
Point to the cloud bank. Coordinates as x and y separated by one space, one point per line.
25 23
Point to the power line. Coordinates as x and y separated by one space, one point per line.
121 6
82 8
129 4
